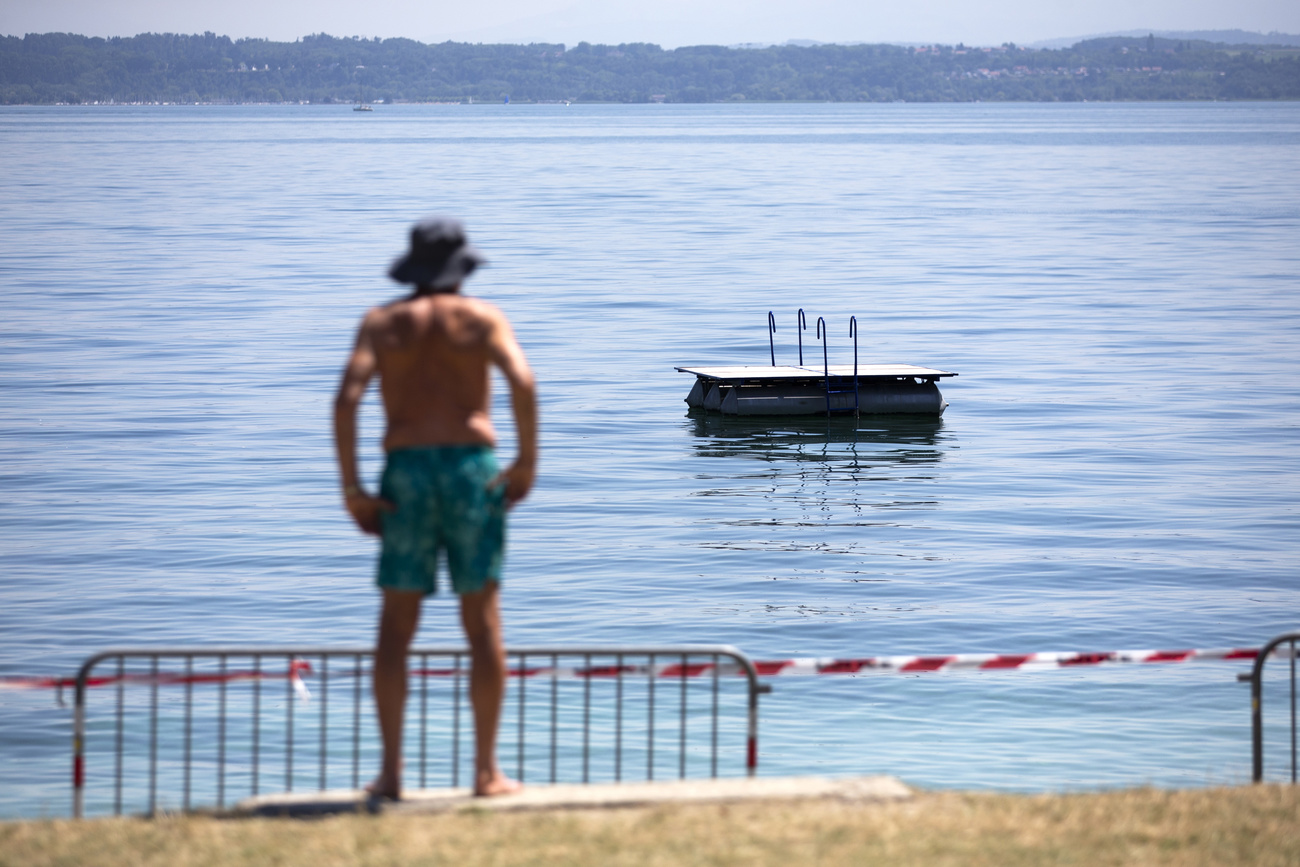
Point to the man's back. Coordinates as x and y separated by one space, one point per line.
432 353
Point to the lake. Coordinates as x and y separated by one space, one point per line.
1116 285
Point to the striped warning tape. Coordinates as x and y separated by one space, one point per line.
299 668
998 661
891 664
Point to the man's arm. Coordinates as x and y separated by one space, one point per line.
507 355
360 369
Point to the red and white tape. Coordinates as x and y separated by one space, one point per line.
297 668
998 661
892 664
806 666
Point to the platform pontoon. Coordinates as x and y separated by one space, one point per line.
831 389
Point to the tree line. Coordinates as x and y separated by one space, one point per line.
61 68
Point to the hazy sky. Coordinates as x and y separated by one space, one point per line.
669 23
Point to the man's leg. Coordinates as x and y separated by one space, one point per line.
397 623
480 614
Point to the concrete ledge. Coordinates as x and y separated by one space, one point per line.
578 797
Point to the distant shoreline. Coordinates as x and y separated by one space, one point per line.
158 69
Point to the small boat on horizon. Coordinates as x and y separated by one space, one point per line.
362 107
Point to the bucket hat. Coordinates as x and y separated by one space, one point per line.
440 256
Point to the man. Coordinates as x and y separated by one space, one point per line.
441 492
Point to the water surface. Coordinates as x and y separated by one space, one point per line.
1115 284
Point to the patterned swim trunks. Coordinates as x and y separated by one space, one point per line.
443 504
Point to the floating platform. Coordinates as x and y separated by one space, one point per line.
835 390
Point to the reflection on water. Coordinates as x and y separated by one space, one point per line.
838 476
911 440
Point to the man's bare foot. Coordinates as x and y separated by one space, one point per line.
489 785
382 787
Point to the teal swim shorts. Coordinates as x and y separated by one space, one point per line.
443 503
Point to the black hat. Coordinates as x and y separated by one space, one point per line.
439 256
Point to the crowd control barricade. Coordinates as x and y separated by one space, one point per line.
1256 678
194 728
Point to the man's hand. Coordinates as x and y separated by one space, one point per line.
518 481
366 511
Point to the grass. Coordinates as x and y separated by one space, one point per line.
1258 825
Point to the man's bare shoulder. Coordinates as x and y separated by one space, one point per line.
478 308
470 318
398 313
382 314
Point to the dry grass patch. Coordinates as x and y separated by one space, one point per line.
1258 825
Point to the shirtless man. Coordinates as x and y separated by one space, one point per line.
441 491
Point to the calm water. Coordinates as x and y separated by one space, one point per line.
1115 284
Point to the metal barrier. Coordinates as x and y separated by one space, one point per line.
210 742
1256 678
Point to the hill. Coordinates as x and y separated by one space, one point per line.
1225 37
169 68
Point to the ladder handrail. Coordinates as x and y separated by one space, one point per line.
801 325
853 332
771 329
824 333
